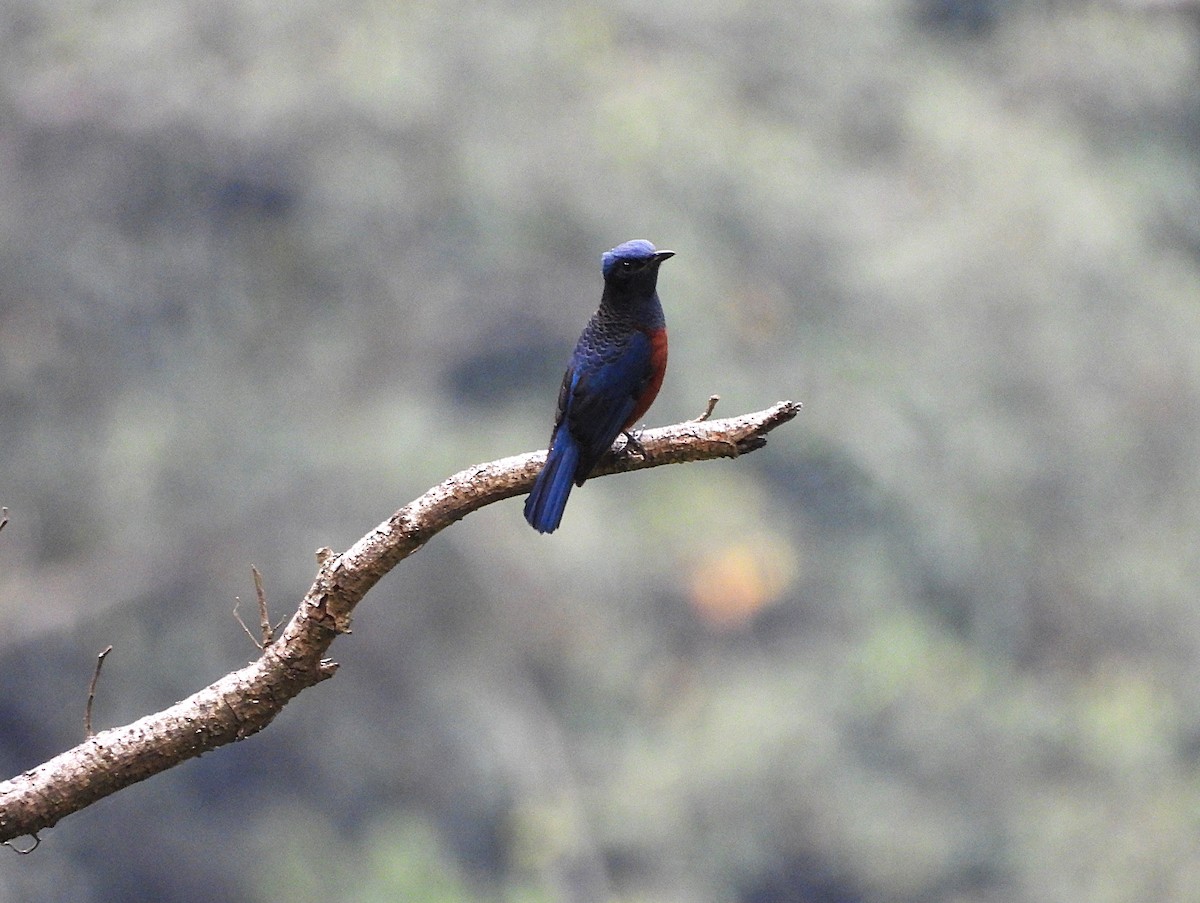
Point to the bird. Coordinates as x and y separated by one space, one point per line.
612 379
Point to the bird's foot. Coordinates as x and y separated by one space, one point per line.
633 443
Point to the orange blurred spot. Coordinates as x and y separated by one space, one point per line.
736 582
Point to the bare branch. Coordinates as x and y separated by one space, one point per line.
245 701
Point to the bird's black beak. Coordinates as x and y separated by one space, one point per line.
660 256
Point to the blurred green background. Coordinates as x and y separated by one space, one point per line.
271 270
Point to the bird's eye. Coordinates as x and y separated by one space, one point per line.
627 264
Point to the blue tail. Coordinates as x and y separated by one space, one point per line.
548 498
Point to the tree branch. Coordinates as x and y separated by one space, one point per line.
245 701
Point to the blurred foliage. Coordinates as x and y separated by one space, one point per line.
270 271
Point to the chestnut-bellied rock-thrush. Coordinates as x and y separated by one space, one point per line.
613 376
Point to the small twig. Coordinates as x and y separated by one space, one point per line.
3 518
87 712
708 411
237 601
37 842
264 617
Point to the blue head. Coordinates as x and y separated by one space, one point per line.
633 265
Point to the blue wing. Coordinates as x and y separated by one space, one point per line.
599 396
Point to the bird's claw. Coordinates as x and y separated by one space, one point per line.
633 443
